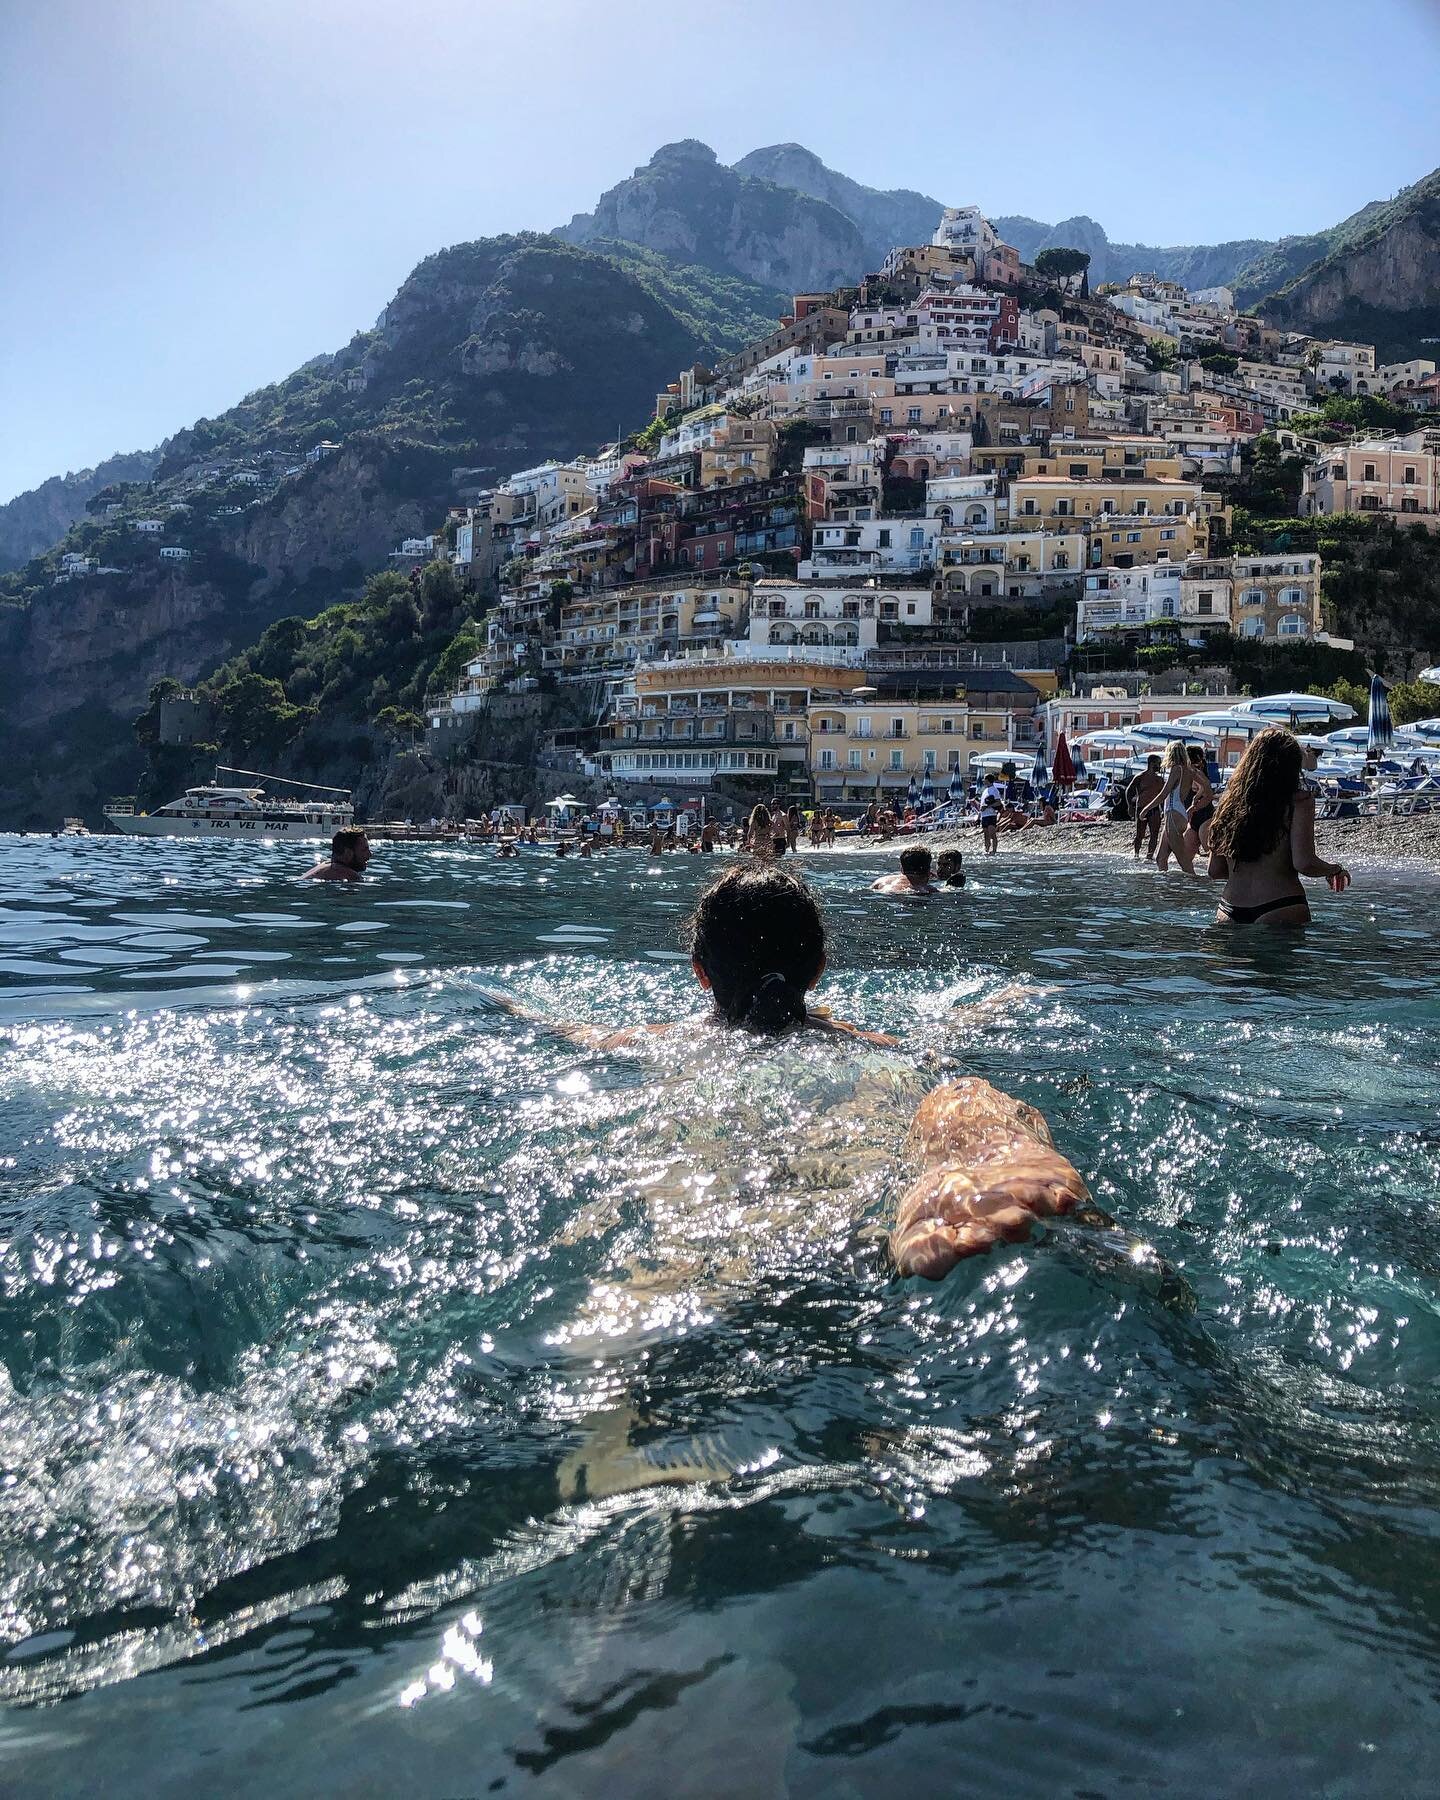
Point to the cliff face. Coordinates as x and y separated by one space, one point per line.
884 218
687 205
1395 266
34 520
345 511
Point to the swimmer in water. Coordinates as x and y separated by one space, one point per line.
349 853
950 869
913 882
988 1166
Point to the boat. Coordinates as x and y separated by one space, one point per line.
220 810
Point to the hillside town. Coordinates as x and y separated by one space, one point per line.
866 548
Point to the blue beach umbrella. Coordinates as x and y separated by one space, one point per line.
957 784
1038 773
912 793
1381 730
927 792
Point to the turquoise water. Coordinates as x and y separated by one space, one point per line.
398 1398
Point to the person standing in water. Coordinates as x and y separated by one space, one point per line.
1202 804
990 801
1171 805
1262 838
1142 790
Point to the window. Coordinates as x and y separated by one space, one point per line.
1252 597
827 759
1409 475
1063 507
887 415
914 415
897 759
897 727
1132 537
854 759
1078 471
882 538
1369 503
1292 626
1408 503
1030 508
917 537
929 761
1205 603
1369 471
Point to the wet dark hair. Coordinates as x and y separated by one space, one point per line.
758 935
346 842
1255 809
949 862
1197 756
915 862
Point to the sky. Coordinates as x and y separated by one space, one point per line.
198 195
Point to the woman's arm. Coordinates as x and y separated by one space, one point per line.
989 1169
1162 796
1303 854
1218 868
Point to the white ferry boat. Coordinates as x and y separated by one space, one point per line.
216 810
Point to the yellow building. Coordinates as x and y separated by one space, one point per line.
736 714
620 627
741 450
872 745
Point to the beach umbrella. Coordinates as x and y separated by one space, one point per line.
1064 763
666 804
1077 763
1037 774
1430 675
1381 730
912 793
957 784
927 792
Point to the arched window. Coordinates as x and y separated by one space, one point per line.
1291 596
1252 628
1293 626
1252 597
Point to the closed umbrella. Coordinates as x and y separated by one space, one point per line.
957 784
1065 771
927 792
1037 774
1381 730
912 793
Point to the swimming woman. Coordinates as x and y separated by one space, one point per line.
1171 804
1262 838
987 1165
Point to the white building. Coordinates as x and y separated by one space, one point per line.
832 614
966 228
174 553
876 546
151 527
318 452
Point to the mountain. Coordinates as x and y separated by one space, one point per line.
884 218
691 208
1193 265
32 521
1377 277
492 355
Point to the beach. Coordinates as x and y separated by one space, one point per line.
1404 840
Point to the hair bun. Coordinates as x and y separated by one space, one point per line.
775 1005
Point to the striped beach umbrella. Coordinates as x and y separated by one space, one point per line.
957 784
1381 730
1038 773
927 792
912 793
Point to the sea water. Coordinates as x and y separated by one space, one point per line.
396 1397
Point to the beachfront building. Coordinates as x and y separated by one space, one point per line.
741 713
1393 475
871 746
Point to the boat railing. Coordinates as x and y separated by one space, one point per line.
125 807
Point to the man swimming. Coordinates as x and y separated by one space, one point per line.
349 853
950 869
913 881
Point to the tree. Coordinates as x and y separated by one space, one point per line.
1160 354
1062 263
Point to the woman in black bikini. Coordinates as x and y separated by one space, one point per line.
1202 804
1262 838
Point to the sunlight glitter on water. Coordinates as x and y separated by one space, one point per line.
343 1308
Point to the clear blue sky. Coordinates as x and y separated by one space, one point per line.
197 195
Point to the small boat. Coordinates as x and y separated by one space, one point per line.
217 810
